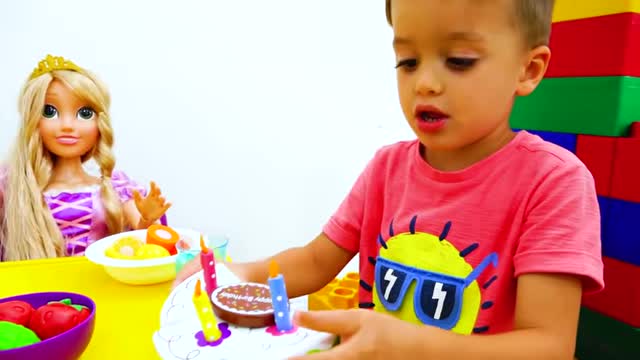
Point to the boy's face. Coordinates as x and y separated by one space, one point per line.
460 65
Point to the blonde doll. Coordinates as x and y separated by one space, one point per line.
49 205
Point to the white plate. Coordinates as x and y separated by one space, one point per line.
96 251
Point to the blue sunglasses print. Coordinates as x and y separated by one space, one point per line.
438 297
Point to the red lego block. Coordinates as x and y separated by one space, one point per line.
625 182
597 46
597 153
635 129
620 298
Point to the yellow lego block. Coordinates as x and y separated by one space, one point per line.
339 294
581 9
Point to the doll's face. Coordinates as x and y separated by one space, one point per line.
68 124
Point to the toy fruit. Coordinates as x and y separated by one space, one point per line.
17 312
150 251
57 317
84 311
164 236
124 248
14 336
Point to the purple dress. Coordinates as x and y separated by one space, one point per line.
79 212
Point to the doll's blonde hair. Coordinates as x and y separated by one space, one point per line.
28 229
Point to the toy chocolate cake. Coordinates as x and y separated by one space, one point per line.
244 304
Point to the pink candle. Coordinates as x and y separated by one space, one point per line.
209 267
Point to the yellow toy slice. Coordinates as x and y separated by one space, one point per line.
124 248
151 251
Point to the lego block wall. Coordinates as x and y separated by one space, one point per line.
589 103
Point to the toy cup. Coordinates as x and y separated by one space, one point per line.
188 249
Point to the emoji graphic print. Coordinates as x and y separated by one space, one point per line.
422 278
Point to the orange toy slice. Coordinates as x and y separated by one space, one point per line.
164 236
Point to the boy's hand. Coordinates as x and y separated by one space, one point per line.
153 206
365 334
187 270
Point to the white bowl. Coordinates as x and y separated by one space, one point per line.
136 272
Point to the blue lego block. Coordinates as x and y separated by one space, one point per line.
603 202
621 230
566 140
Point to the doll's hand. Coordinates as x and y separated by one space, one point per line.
365 334
151 207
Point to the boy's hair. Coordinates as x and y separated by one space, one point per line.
533 17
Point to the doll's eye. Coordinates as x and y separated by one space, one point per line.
49 111
86 113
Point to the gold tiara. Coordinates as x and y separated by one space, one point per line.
51 63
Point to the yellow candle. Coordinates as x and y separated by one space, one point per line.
205 314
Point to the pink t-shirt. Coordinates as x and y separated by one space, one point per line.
531 207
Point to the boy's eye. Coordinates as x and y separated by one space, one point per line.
49 111
407 63
459 63
85 113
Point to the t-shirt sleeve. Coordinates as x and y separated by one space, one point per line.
124 186
345 225
561 233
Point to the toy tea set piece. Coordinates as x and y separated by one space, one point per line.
54 325
188 249
140 257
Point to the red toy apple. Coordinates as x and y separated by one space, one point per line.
57 317
17 312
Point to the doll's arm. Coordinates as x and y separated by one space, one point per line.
133 218
142 211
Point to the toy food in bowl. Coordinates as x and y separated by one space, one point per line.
132 248
48 325
130 258
124 248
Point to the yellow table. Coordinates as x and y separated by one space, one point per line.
126 315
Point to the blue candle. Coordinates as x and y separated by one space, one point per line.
279 299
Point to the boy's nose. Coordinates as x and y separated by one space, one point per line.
428 83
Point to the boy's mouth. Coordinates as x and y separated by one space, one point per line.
429 118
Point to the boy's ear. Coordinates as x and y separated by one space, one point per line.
535 66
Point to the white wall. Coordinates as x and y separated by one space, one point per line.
254 116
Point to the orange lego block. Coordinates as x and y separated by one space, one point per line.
339 294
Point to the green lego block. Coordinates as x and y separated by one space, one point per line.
604 106
601 337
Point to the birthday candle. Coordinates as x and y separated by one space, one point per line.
205 314
209 267
279 298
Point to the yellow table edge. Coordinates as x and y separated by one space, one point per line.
580 9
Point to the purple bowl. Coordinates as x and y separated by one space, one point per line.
66 346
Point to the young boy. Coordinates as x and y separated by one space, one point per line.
471 228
